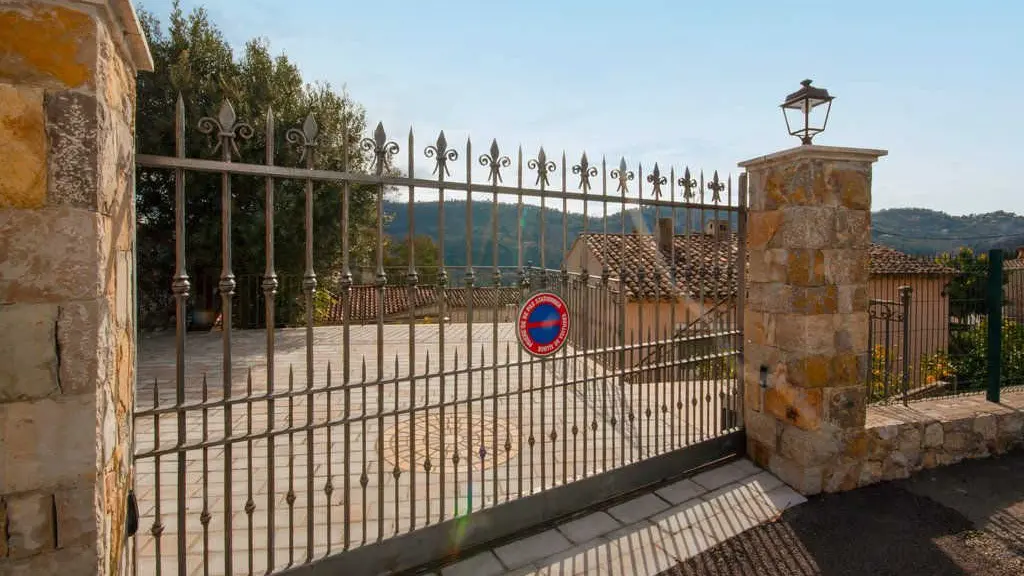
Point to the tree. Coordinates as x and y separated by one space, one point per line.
396 260
968 291
192 59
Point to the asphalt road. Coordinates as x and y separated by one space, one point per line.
962 519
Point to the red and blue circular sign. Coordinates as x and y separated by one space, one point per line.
543 324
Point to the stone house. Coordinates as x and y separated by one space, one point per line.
685 284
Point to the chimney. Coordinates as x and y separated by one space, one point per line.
665 234
1020 252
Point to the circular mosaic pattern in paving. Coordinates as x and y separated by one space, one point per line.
420 440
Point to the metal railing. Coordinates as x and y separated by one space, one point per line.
937 336
275 448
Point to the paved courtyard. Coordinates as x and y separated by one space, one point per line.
398 445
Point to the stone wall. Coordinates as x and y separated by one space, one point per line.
67 101
899 441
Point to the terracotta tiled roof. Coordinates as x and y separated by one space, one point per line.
396 300
885 260
705 265
1015 264
644 270
485 297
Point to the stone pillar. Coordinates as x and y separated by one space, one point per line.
67 307
806 320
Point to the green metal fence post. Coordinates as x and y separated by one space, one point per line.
995 323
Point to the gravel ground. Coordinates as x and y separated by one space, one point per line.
962 519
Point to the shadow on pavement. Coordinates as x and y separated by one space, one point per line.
964 519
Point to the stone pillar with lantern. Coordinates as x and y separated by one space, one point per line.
805 317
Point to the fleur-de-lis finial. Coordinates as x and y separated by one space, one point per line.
688 184
380 146
656 180
543 166
585 171
495 162
716 186
304 136
226 127
623 175
442 155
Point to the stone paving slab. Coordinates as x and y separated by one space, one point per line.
659 534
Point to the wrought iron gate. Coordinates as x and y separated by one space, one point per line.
403 404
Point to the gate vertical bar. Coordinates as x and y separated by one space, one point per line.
226 125
523 283
470 280
269 292
442 155
305 138
565 351
180 289
346 357
412 280
381 148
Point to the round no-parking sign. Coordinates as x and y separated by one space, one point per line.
543 324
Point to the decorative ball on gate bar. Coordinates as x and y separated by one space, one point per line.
805 117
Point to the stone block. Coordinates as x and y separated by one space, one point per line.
29 524
773 297
87 346
806 480
810 371
762 228
933 436
22 146
75 515
78 561
847 406
71 125
986 425
870 473
52 255
768 265
815 300
847 369
851 334
895 466
804 267
3 524
849 184
48 443
806 334
800 407
759 452
809 448
842 475
1011 430
847 266
47 45
852 298
806 227
855 444
28 345
853 228
762 427
759 328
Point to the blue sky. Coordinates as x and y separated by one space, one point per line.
683 83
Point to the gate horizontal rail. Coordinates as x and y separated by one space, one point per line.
271 448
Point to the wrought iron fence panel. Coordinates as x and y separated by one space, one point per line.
311 409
